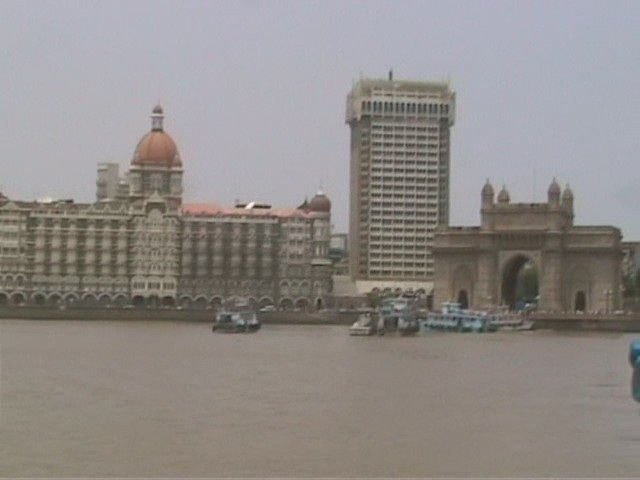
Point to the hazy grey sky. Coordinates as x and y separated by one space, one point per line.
254 94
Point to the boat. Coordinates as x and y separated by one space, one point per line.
397 316
239 319
502 318
453 318
365 325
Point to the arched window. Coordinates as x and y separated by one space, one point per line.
463 299
580 302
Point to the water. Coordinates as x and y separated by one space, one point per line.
89 399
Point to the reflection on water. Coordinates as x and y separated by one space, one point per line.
170 399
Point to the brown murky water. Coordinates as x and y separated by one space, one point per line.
89 399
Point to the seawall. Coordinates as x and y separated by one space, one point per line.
141 314
588 322
542 321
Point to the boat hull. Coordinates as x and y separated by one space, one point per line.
236 322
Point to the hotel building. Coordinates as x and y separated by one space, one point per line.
138 244
399 179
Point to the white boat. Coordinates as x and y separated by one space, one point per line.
363 326
501 318
239 319
453 318
398 316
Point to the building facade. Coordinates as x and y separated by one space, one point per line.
578 267
138 244
399 177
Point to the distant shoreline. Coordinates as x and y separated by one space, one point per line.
142 314
541 321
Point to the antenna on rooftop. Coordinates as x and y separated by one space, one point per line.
391 74
533 188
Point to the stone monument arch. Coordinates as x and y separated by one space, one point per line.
578 268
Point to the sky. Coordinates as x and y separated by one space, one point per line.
254 94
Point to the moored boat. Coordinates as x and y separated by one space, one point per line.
501 318
398 316
365 325
453 318
239 319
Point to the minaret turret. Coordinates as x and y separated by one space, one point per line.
487 195
567 199
503 196
553 194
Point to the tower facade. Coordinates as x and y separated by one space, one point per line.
156 167
399 176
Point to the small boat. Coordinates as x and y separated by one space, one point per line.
239 319
452 318
363 326
503 319
236 322
398 316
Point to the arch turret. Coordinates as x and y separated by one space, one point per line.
503 196
487 194
553 194
567 199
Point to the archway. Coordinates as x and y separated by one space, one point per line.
200 303
4 299
319 304
302 304
39 299
120 300
463 299
104 300
70 300
580 302
216 303
519 283
168 302
55 300
265 301
286 304
185 302
17 299
462 285
138 301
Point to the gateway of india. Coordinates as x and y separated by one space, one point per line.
578 267
139 245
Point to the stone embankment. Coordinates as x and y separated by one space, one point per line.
288 318
597 322
541 321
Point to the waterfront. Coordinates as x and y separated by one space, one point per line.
117 398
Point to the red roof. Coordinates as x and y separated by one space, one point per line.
211 209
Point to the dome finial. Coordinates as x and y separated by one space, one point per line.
503 196
157 118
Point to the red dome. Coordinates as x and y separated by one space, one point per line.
157 148
320 203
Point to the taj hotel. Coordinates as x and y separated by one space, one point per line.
139 244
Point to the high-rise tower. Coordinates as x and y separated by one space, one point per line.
399 176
